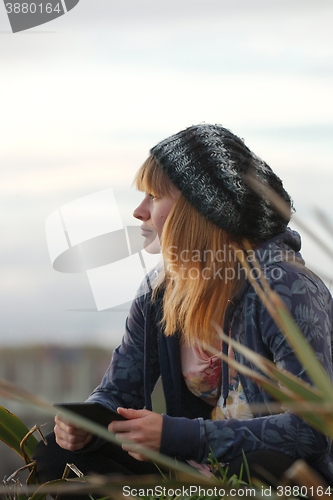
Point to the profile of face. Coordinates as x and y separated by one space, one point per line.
153 212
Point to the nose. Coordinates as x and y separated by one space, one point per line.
142 211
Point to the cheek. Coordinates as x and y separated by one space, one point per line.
161 214
159 223
159 220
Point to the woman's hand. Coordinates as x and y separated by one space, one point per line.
142 427
69 437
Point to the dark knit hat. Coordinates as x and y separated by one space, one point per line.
208 164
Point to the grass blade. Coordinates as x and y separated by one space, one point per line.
13 431
280 314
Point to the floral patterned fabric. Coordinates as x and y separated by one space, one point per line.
202 372
236 405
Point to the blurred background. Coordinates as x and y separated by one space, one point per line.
83 99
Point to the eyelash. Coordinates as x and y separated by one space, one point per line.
153 197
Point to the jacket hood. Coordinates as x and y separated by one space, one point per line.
285 247
281 249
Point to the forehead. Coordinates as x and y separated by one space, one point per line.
151 178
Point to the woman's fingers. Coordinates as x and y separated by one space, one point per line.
70 437
142 427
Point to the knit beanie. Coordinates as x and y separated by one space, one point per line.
209 164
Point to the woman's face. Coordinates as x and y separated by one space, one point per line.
153 212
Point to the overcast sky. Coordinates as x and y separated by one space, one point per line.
84 97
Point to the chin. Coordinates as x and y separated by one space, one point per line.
152 246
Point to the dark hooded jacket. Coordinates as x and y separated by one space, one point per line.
146 354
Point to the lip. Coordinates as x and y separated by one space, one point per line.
145 231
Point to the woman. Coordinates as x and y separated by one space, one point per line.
199 204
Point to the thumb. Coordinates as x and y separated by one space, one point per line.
130 414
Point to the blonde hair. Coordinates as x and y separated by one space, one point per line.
151 179
202 273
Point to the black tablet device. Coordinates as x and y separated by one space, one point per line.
93 411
